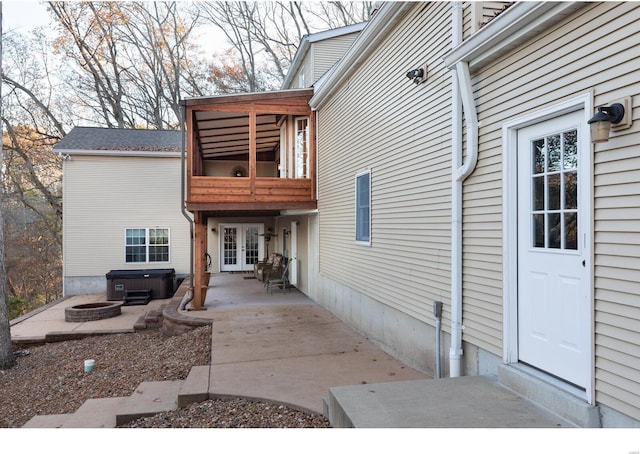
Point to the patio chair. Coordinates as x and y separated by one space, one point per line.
278 278
275 268
266 264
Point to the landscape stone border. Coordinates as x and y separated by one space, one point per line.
92 311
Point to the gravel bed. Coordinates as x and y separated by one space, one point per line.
235 413
50 379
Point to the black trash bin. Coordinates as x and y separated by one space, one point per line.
159 281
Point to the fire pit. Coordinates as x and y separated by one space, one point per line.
92 311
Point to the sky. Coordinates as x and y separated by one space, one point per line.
22 16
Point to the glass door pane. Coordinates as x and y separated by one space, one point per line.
554 183
251 243
230 246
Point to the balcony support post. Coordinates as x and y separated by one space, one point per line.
252 150
200 261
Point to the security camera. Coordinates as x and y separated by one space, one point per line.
416 73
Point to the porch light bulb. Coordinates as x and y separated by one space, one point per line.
600 123
600 131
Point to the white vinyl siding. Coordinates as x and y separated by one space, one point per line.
584 59
305 73
483 12
104 195
382 121
326 52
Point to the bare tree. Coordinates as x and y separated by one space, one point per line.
157 38
7 359
33 119
266 35
133 61
89 39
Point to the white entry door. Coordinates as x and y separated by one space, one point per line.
553 310
240 246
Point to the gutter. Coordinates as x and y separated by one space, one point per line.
462 94
189 295
126 153
516 24
519 22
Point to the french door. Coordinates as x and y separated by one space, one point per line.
240 246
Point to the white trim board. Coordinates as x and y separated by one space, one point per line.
510 128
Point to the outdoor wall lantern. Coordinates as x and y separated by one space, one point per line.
603 119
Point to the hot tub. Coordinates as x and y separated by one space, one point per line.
159 281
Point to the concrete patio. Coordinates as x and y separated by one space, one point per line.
286 348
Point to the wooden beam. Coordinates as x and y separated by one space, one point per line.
232 102
251 206
252 150
200 261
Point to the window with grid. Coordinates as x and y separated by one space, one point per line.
363 208
144 245
554 181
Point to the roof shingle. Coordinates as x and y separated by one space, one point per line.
90 138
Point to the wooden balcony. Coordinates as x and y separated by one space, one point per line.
226 194
270 136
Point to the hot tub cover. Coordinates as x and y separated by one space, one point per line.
138 274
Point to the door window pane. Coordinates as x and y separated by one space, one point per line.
538 229
538 147
570 157
538 193
571 231
555 230
553 153
230 246
554 185
571 190
554 192
251 246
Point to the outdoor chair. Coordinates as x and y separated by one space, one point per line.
278 278
266 264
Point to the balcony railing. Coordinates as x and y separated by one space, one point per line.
240 193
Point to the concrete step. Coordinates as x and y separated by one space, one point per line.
47 421
149 399
95 413
556 396
464 402
196 386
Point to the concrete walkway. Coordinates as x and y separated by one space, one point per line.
286 348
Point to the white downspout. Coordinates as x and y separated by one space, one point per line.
461 92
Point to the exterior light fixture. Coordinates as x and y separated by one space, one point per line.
418 75
603 119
